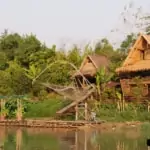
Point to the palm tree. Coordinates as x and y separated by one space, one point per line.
31 73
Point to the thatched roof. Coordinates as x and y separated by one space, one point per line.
138 58
95 62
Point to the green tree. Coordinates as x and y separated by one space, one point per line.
3 61
18 81
74 56
29 46
127 43
9 43
87 50
104 48
5 80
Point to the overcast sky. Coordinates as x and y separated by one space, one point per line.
60 21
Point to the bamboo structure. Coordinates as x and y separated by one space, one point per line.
78 106
89 67
48 124
136 65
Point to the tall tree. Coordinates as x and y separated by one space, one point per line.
74 56
103 47
128 42
9 43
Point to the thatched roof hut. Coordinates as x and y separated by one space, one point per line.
138 58
91 64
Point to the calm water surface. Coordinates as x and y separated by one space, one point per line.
48 139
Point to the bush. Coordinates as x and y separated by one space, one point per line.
132 112
45 108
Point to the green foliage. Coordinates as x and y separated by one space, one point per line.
24 60
19 83
110 112
9 44
45 108
74 56
104 48
102 77
4 112
5 80
127 43
3 61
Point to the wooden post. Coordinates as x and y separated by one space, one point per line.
77 112
76 140
85 141
86 110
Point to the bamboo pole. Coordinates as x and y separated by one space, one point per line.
86 110
77 112
19 110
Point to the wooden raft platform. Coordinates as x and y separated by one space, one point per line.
48 124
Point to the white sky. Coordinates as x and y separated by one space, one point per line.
64 21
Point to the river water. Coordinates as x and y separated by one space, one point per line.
48 139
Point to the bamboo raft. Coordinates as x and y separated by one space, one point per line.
48 123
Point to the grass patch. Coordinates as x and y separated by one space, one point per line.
45 108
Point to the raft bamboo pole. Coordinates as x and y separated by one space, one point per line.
48 123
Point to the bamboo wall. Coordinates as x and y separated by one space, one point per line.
128 86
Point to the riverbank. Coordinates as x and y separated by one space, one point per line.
81 125
112 126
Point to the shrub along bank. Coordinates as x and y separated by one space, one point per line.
48 107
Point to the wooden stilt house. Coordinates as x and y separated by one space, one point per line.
87 71
90 65
135 71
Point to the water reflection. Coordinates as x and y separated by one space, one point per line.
48 139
